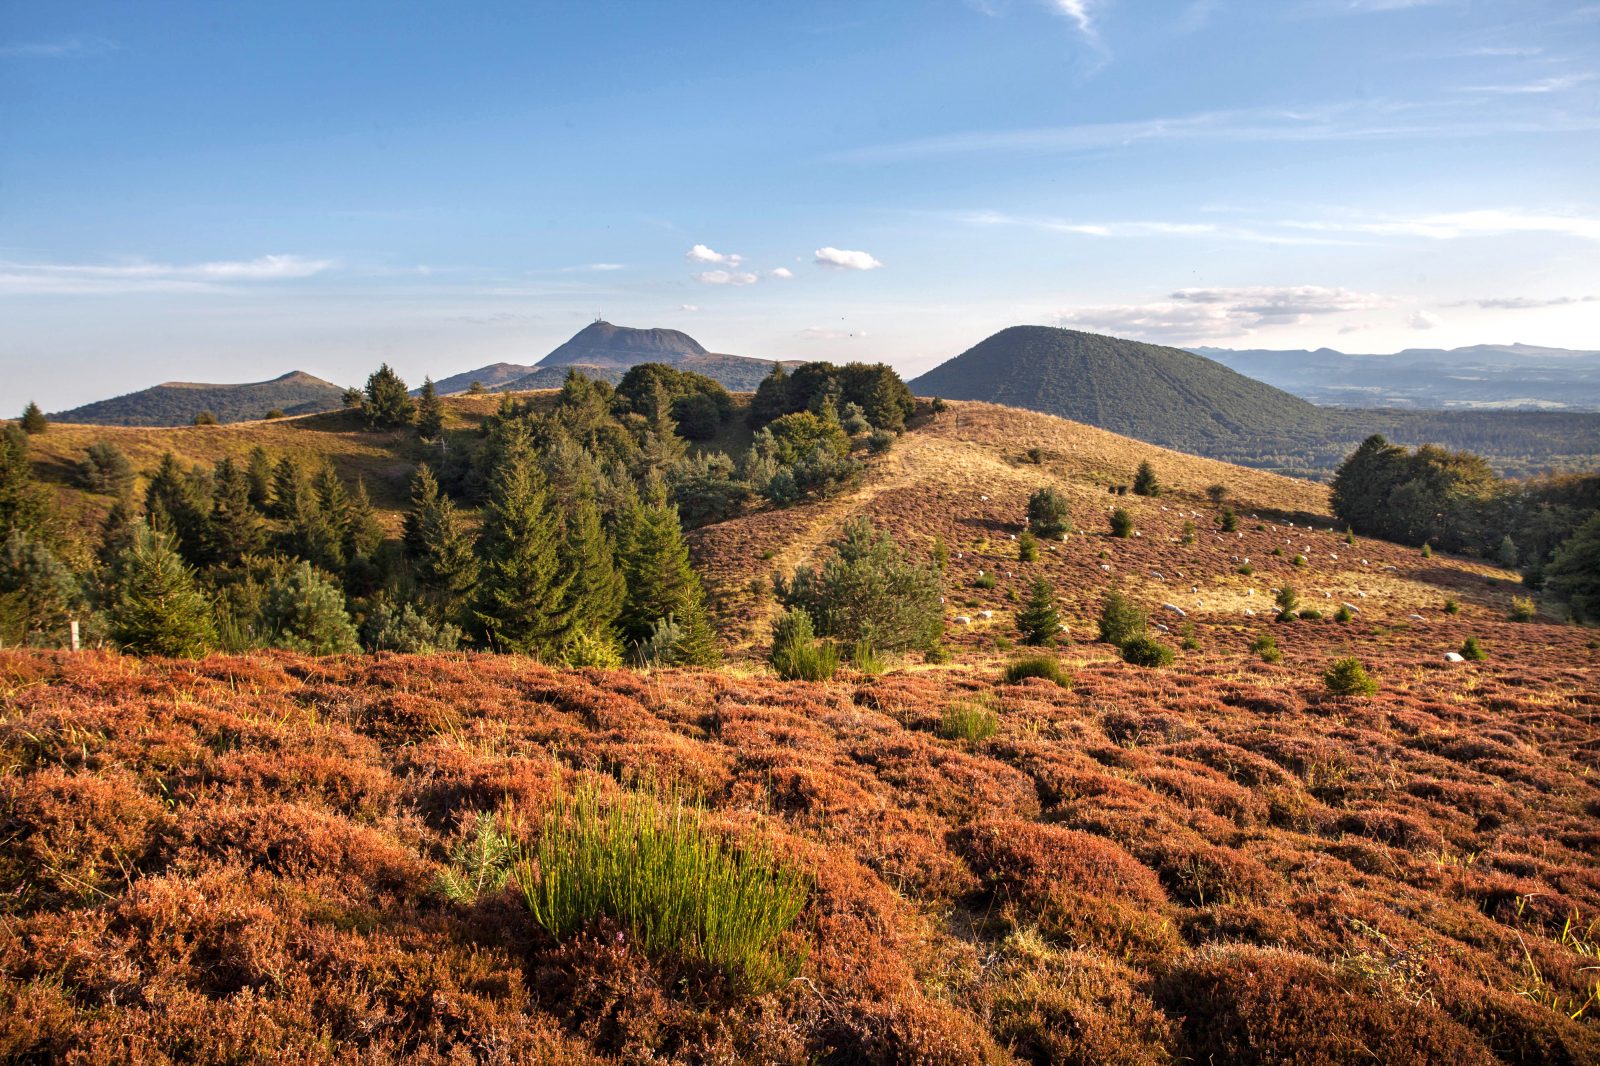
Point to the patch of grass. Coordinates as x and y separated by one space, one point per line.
651 864
1045 666
866 658
985 580
1347 677
1311 614
969 720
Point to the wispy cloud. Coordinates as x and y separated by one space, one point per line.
1143 228
139 276
726 277
1526 303
1357 120
1208 314
1556 84
844 259
593 268
1464 224
63 48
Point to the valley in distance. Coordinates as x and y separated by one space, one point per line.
649 704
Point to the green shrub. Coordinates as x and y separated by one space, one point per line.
1045 666
1229 521
1472 651
1347 677
1191 637
1246 569
1452 607
1144 482
1266 646
1310 614
653 866
938 405
1188 532
479 862
589 649
1299 561
1344 615
1287 600
1027 548
1039 621
1121 620
1523 609
1002 643
969 720
866 659
985 580
1121 523
868 588
880 441
1427 550
1146 651
205 418
1048 514
937 654
796 653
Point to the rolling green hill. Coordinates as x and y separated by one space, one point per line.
175 403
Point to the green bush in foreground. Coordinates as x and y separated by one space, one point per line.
1347 677
1121 620
971 721
796 653
1146 651
1044 666
1472 651
653 866
1266 646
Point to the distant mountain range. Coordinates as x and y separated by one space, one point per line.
1176 398
176 403
1518 376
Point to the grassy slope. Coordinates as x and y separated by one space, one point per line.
235 858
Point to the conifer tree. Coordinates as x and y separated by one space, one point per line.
662 584
430 413
33 420
445 562
116 532
259 473
39 595
305 612
288 483
1038 619
387 404
156 608
24 505
362 533
179 502
522 594
310 533
596 593
233 529
1144 482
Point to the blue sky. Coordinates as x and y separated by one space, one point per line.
224 192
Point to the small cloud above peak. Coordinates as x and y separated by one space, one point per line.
845 259
702 254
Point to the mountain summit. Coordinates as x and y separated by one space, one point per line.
1147 391
603 344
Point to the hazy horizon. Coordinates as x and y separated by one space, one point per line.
197 195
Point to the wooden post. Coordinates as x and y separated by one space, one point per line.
73 626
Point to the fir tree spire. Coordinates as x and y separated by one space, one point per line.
157 610
662 584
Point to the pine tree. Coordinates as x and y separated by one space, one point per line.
362 535
596 594
116 532
445 561
1048 514
1144 482
662 584
179 503
305 612
387 404
430 413
259 472
24 504
309 534
1038 619
288 484
1574 571
522 595
33 420
156 608
39 595
234 529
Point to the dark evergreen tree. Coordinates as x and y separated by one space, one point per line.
304 611
430 413
1574 572
441 552
387 404
259 472
868 590
1144 481
595 595
1038 621
33 420
522 602
288 488
104 469
156 608
179 502
661 584
1048 514
39 595
234 528
24 504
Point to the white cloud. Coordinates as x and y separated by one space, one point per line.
141 276
781 272
593 268
1194 314
701 254
1462 224
1556 84
1525 303
1078 12
1253 235
726 277
65 48
689 308
843 259
1425 320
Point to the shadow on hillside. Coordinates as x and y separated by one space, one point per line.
990 525
1320 522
